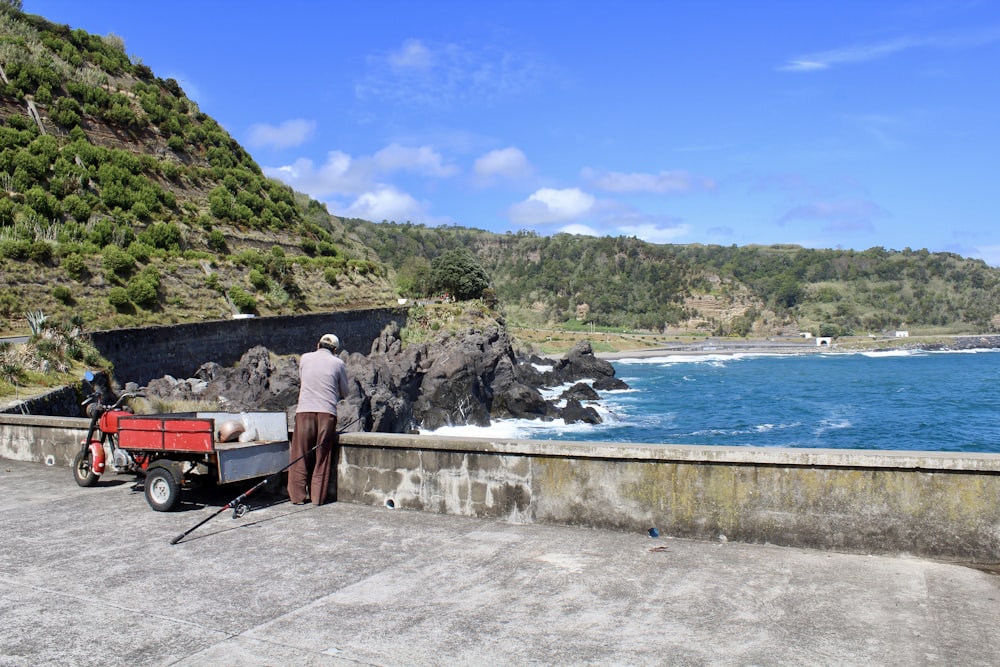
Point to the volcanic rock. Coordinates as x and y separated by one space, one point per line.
575 412
469 377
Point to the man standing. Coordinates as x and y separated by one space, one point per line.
322 383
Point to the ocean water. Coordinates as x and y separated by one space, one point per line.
912 400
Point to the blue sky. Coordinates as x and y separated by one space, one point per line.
846 124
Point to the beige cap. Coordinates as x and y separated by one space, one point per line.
330 340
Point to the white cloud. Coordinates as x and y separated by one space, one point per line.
506 163
800 65
344 175
413 54
988 253
438 75
852 54
339 175
580 230
840 215
664 182
606 217
385 203
654 233
290 133
422 159
623 219
547 206
866 52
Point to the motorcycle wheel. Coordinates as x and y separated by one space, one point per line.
162 491
83 469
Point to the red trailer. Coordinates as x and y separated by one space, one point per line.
179 450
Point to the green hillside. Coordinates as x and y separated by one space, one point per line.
122 204
722 290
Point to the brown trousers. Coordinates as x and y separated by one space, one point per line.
309 477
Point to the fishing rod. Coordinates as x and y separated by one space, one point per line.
236 504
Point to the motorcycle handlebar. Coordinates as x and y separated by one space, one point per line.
97 396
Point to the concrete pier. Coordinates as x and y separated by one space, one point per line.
88 577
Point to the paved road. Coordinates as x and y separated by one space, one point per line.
88 577
14 340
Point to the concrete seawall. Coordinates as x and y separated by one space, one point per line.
928 504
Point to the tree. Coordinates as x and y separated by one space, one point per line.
459 274
413 277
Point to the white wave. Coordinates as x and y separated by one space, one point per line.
749 430
552 393
832 424
505 429
520 429
709 358
610 392
674 359
612 414
917 352
876 354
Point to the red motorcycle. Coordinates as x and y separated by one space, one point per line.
102 435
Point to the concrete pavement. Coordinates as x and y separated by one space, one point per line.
88 577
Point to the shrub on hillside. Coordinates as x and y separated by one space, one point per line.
118 297
77 206
217 242
63 294
116 262
165 235
74 266
139 251
141 291
14 249
243 300
258 280
40 251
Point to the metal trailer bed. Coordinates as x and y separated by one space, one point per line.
177 449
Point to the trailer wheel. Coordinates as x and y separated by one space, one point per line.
83 469
163 493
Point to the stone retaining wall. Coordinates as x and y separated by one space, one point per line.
927 504
60 401
142 354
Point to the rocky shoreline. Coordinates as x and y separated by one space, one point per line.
467 378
